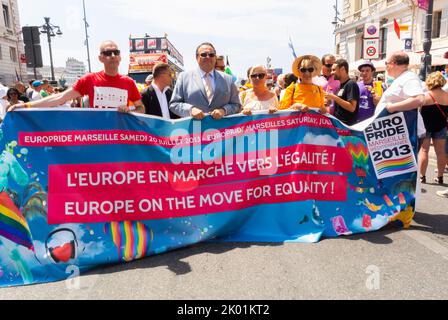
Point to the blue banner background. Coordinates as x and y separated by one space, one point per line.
93 244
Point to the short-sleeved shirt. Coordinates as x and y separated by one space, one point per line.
108 92
405 86
310 95
366 105
349 91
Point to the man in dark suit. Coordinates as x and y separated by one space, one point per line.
157 96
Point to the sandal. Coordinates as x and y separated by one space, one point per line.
423 179
439 180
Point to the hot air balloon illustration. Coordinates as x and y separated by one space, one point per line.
360 155
132 239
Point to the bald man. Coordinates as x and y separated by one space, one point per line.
406 92
106 89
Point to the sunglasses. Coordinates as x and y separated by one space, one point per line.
206 54
258 75
108 53
328 65
304 70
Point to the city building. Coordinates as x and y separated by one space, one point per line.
147 51
74 69
408 15
45 72
12 51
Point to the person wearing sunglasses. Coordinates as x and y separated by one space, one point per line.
304 95
205 91
326 80
258 98
13 96
106 89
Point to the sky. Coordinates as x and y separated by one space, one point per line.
246 31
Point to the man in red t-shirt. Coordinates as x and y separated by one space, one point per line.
106 89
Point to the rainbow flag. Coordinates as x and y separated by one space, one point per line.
132 239
395 165
13 225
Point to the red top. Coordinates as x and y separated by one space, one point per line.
107 92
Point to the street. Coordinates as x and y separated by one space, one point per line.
388 264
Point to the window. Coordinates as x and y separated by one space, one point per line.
6 16
383 43
13 54
358 5
444 23
436 21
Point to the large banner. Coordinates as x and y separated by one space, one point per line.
81 188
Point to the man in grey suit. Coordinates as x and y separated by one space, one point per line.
205 91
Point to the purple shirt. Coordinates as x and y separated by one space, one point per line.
366 106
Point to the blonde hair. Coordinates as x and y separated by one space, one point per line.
307 62
435 80
258 67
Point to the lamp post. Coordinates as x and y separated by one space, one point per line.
49 28
427 59
86 25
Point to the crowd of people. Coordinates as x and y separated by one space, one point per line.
323 84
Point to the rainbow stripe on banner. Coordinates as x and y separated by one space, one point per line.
132 239
13 225
395 165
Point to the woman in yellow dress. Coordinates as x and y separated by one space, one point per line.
304 95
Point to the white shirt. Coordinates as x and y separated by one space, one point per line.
407 85
252 104
35 96
163 101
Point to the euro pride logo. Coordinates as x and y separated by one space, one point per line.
390 147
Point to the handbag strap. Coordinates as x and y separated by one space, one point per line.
438 106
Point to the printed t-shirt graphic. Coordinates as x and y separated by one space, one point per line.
107 92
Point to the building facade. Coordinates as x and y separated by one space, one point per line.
356 13
12 51
45 72
74 70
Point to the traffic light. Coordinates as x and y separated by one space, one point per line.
33 52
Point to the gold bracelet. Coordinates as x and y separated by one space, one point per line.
28 105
